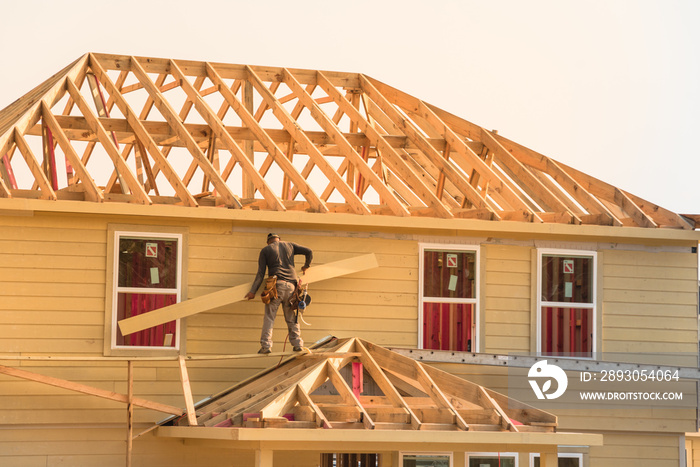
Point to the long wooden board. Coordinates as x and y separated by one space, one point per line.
237 294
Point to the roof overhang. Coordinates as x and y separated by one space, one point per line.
356 223
377 440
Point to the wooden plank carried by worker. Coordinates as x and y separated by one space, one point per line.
237 294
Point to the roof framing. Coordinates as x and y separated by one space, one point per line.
313 390
283 139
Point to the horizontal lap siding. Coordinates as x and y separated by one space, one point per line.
507 298
88 447
650 303
379 305
52 301
633 450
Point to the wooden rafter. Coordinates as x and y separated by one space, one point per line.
392 157
275 152
47 191
92 192
143 136
419 140
416 158
178 127
408 395
219 130
346 148
108 142
301 138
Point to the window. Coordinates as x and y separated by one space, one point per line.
146 274
448 295
425 459
492 459
349 460
566 303
564 460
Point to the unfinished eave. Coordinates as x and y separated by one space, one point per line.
352 384
150 131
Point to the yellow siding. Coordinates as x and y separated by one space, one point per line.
650 303
52 301
633 450
507 299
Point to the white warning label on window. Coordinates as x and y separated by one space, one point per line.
568 266
452 260
151 250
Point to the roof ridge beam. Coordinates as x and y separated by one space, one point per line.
137 192
217 127
178 127
267 142
143 135
399 166
423 145
296 132
348 151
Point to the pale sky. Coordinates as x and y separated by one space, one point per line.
611 88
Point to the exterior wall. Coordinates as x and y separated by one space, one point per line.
52 302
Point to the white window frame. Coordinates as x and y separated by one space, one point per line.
494 454
116 289
594 302
561 455
426 453
475 301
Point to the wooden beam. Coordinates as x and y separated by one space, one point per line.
187 391
39 176
528 182
92 391
436 394
346 393
108 143
270 146
237 294
91 191
305 399
384 384
129 412
345 147
483 170
424 146
391 156
217 127
143 135
176 124
290 124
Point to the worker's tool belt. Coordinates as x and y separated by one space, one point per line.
269 293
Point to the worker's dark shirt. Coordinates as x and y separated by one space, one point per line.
278 258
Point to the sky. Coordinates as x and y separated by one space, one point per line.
611 87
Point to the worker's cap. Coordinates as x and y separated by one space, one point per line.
270 236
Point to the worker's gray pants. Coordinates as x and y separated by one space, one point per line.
284 293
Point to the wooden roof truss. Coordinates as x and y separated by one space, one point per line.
311 391
112 128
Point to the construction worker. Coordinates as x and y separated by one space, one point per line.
278 258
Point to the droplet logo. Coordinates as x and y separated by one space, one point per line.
546 372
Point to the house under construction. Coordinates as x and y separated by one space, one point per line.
136 193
